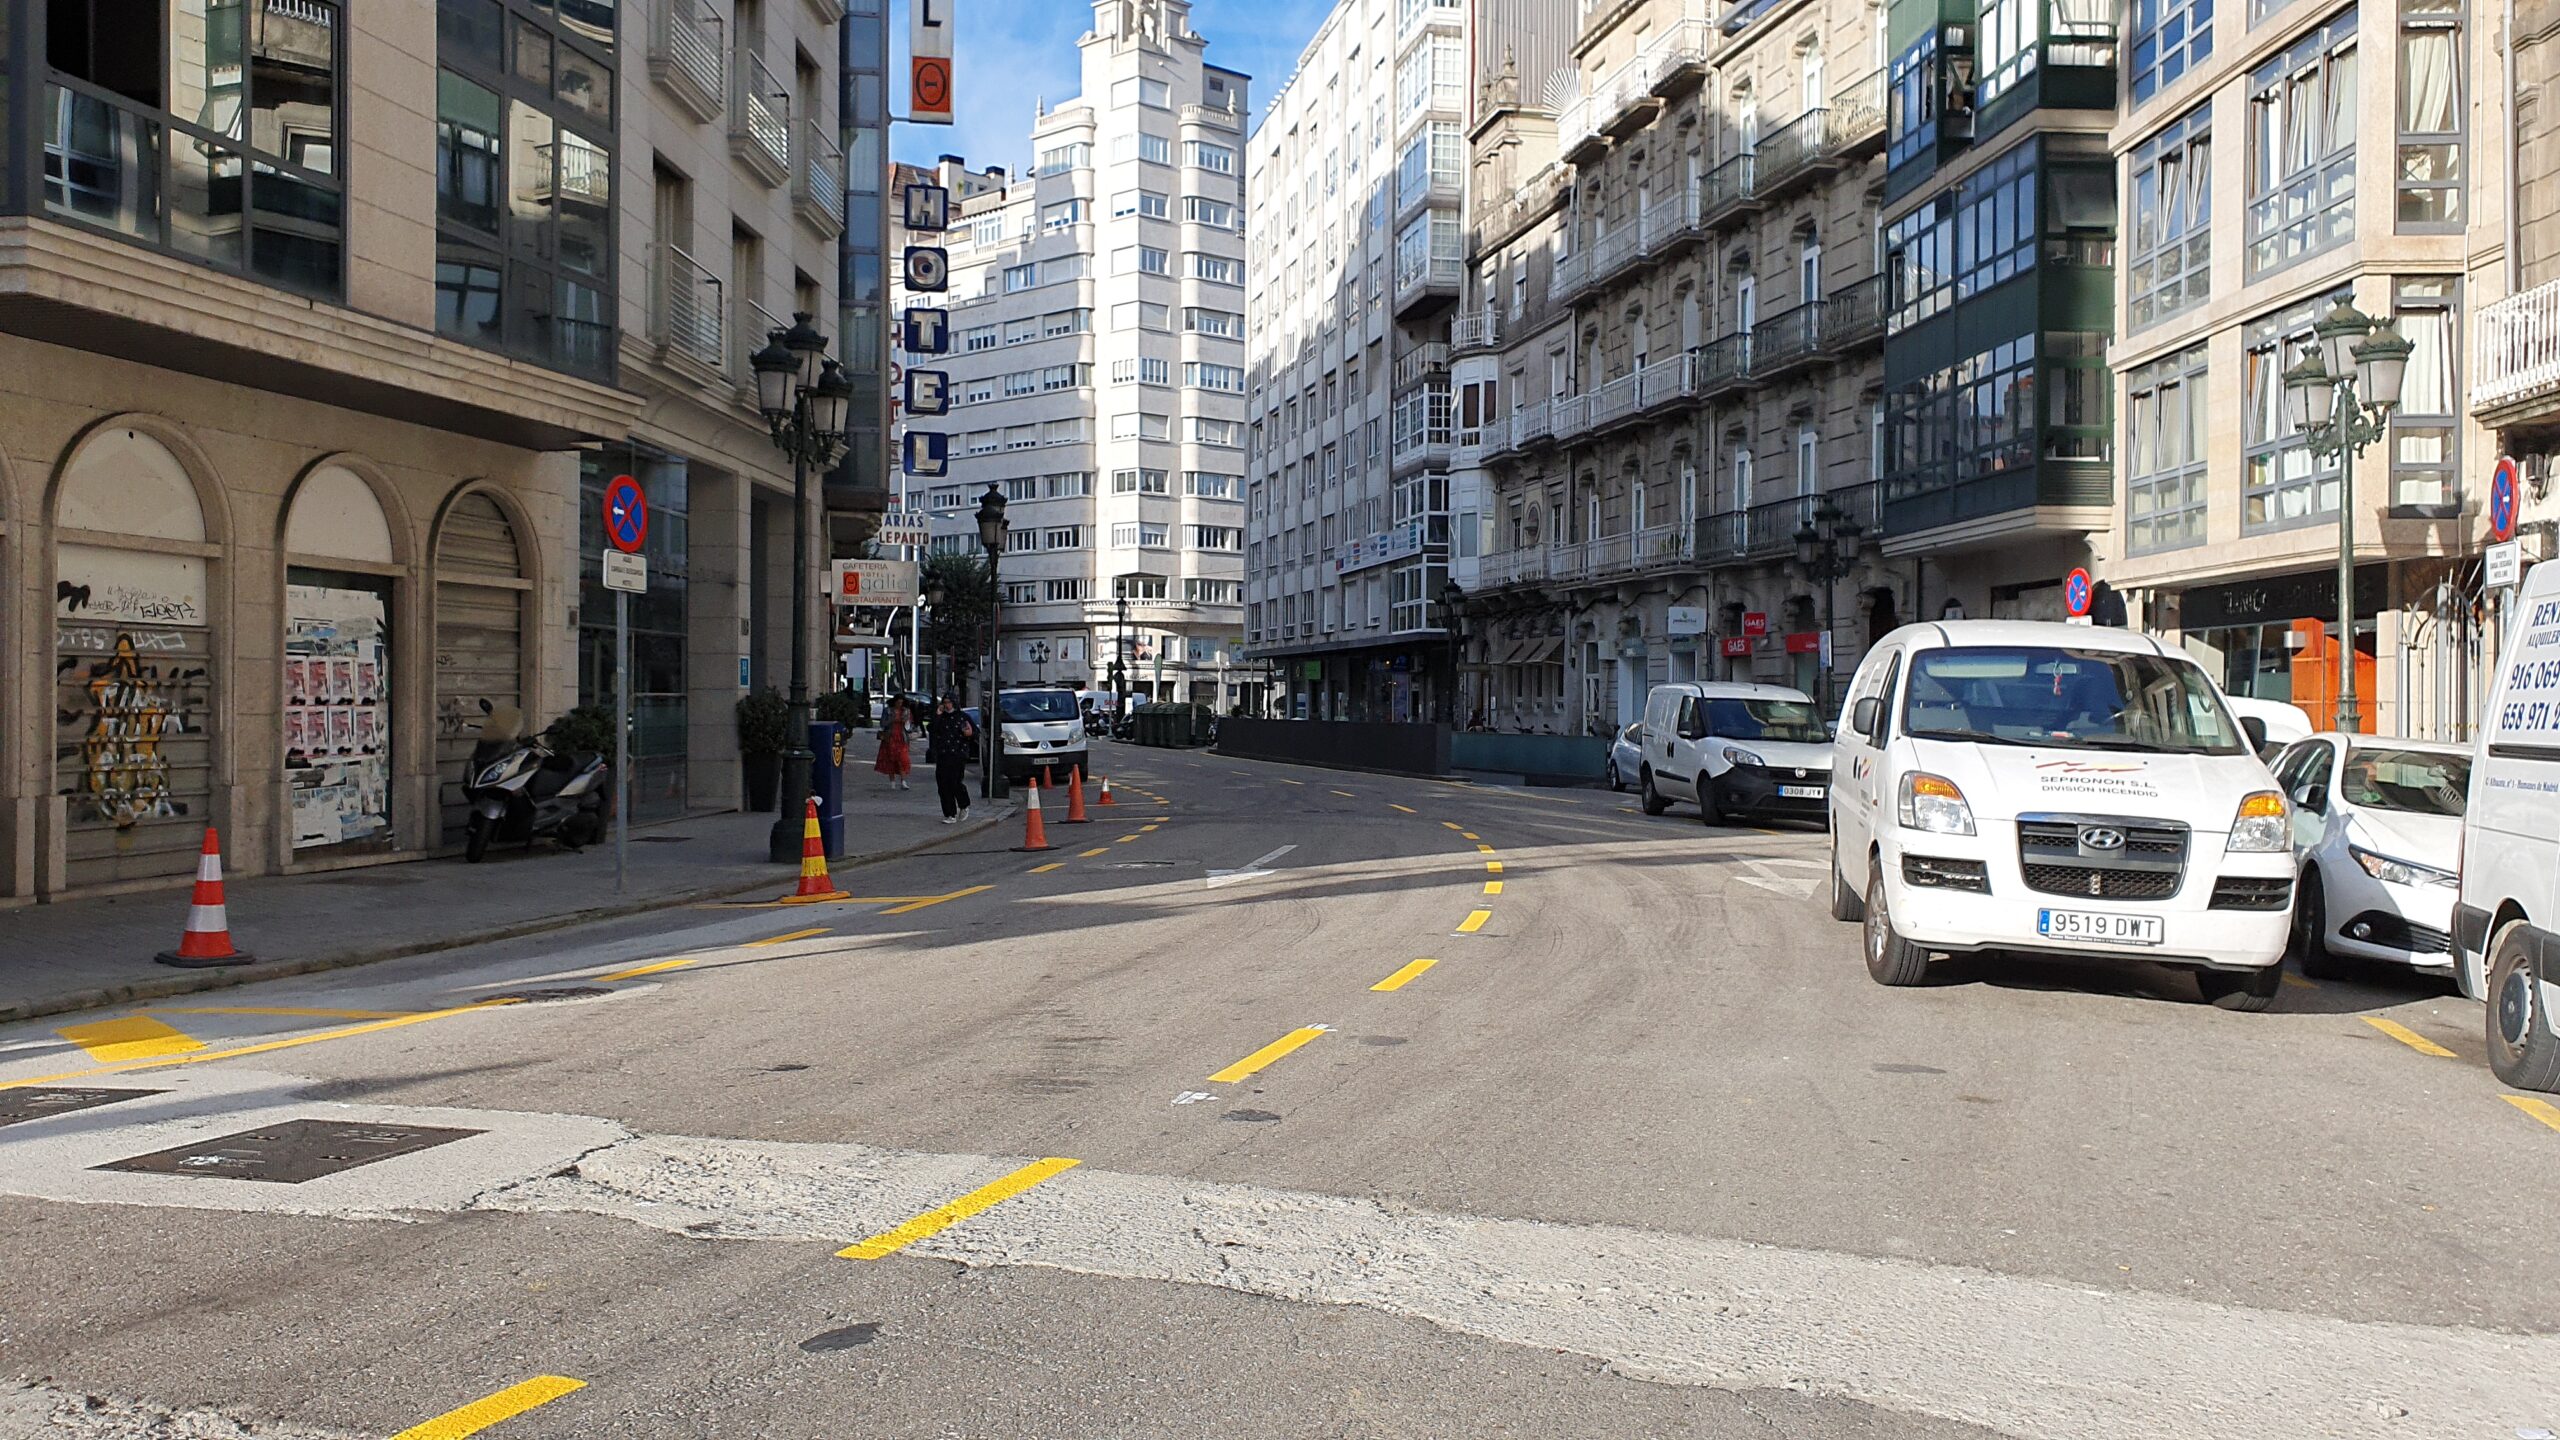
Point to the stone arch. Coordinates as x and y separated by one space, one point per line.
325 515
485 575
351 663
91 483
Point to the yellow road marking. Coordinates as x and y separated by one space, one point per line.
1474 921
261 1048
479 1415
1096 850
1451 825
942 1217
1493 887
1470 834
1484 849
794 935
915 905
1052 865
1125 839
636 971
2298 982
129 1037
1285 780
1398 980
2542 1110
1409 810
1147 829
1267 1054
1345 794
1493 867
280 1010
2407 1036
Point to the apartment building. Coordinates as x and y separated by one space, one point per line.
1097 371
2329 147
1356 180
1686 310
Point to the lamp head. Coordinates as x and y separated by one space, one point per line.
806 345
1808 544
830 402
2336 334
2382 363
2312 389
777 371
991 519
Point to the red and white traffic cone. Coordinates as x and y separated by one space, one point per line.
1035 834
1075 800
815 887
1106 793
207 941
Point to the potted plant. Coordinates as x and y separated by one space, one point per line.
764 732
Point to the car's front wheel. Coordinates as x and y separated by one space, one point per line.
1615 783
2523 1051
1845 904
1709 812
2311 931
1654 804
1891 959
2249 990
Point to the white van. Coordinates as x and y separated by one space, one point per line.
2068 790
2506 926
1043 733
1733 749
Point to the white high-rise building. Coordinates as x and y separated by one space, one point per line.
1097 371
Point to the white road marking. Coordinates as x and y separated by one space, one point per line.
1192 1097
1254 869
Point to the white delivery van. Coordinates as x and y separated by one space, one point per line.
2068 790
1734 749
1043 733
2506 924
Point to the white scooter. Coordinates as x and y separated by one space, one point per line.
520 789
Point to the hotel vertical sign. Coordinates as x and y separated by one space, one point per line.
925 331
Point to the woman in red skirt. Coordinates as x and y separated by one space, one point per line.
893 761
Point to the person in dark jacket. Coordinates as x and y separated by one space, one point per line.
950 742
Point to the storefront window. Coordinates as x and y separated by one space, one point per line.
337 709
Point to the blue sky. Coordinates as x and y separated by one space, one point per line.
1012 54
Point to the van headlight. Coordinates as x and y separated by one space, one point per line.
2261 827
1933 803
2400 872
1736 755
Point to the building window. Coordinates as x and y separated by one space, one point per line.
1141 535
1060 159
1149 203
1217 537
1068 486
1216 214
1204 376
2302 148
1913 101
2172 218
1209 485
1069 589
1066 322
1059 214
1138 482
2170 37
1996 410
2426 428
1062 537
1020 277
1215 267
981 337
1224 323
2431 111
2165 407
1919 264
1996 222
2283 484
2008 45
1226 433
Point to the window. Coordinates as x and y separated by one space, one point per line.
1139 425
1059 214
1995 393
1216 537
1065 267
2008 41
1021 592
1067 486
1154 149
1224 323
1020 277
1066 322
2282 483
1742 487
1996 222
987 229
1212 592
1021 382
1808 464
1060 159
2172 197
2302 148
1217 159
2431 111
1142 535
1142 259
1200 375
1065 377
1141 315
1205 431
1913 101
1149 203
1214 267
1210 485
1017 332
1072 431
983 337
1216 214
1139 587
2165 406
978 392
982 442
1069 590
2425 428
2170 37
1062 537
1141 371
1139 482
1919 261
1137 90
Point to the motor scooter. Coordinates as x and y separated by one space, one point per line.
521 789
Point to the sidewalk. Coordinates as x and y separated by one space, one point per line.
86 953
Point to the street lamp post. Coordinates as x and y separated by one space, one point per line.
991 539
2344 390
803 396
1040 660
1124 657
1452 596
934 595
1827 546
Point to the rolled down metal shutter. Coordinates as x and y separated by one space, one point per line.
480 590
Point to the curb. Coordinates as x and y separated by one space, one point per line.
162 987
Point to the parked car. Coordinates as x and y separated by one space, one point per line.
1734 749
2378 826
2281 723
2059 790
1626 756
2506 919
1043 732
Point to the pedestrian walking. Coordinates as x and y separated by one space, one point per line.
894 761
950 742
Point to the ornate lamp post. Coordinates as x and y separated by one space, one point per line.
803 396
1827 546
2344 390
1123 657
1452 599
991 539
1040 662
934 595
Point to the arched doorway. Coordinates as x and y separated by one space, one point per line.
337 692
134 660
480 592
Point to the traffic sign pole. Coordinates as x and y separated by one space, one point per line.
621 736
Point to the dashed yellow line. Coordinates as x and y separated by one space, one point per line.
786 939
915 905
2542 1110
1052 865
2407 1036
479 1415
1451 825
1125 839
1484 849
942 1217
1412 969
1096 850
1148 829
1267 1054
636 971
1493 867
1409 810
1285 780
1345 794
1493 887
1474 921
1470 834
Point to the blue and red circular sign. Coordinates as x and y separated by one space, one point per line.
2075 592
2502 500
626 514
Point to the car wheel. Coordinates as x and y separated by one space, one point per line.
1615 784
1654 804
1891 959
2311 932
2249 990
1709 812
1845 904
2523 1051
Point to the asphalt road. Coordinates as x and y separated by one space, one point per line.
1396 1109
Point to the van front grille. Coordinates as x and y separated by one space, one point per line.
2098 858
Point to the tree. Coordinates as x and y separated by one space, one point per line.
958 626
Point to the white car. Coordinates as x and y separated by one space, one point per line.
1734 749
2378 824
2061 790
1626 756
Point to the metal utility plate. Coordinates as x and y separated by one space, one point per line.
290 1153
37 1101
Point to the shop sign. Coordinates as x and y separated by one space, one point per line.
929 62
1686 620
875 582
1755 623
2281 599
2502 564
1805 642
1735 648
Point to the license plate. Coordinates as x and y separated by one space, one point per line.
1799 792
2093 926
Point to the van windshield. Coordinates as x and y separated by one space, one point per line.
1025 706
2059 695
1772 720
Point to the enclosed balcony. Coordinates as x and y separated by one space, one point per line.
687 43
1476 330
818 194
760 121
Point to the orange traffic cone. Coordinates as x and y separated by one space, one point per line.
1035 835
1075 800
207 940
814 884
1106 793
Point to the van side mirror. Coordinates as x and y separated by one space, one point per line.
2256 729
1864 714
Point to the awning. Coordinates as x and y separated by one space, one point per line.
1541 650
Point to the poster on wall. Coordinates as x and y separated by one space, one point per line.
337 717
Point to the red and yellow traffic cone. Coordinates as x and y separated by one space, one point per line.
1075 800
207 941
1106 793
814 884
1035 835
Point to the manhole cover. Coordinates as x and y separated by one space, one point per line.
37 1102
553 992
290 1153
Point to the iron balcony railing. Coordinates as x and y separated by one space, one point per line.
1724 365
686 317
1665 381
1421 362
1728 192
1573 415
1476 330
1770 528
819 195
1615 252
2517 357
751 327
1571 271
1513 567
1786 341
1854 315
1532 423
686 49
1615 400
760 128
1672 219
1498 220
